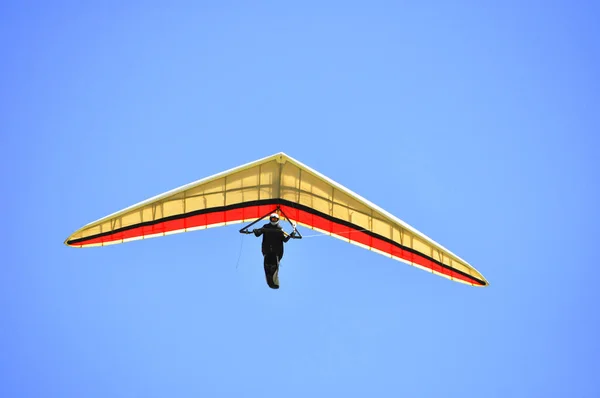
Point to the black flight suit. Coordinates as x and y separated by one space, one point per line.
272 250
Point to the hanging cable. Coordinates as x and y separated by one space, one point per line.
240 253
336 233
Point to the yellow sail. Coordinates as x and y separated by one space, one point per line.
277 183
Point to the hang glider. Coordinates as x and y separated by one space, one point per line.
277 183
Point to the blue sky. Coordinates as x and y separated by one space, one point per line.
474 122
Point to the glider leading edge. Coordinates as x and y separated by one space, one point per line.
273 186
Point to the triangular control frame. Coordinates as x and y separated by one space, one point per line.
296 235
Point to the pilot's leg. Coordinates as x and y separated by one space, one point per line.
271 267
276 273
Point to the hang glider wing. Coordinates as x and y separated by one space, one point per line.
247 192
